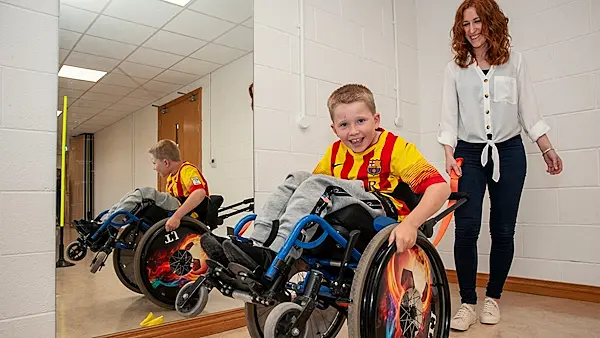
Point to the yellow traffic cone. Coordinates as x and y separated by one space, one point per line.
148 318
155 321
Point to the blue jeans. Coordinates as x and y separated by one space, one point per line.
505 196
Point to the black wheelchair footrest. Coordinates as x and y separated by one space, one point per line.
246 275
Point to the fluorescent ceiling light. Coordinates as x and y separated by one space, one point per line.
58 112
80 73
178 2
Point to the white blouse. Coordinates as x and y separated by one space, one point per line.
501 103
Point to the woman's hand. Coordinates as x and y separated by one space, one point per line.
451 165
553 162
451 161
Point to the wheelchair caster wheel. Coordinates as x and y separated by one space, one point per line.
195 302
76 251
279 319
98 261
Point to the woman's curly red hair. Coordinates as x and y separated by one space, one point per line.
494 29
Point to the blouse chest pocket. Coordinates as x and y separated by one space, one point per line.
505 89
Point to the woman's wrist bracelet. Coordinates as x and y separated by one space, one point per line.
546 151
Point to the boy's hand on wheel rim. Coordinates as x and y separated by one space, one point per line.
404 235
172 224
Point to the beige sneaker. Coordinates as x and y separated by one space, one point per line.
464 318
491 312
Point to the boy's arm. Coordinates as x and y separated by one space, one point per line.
192 181
423 178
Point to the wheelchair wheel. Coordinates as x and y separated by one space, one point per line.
195 305
401 295
123 261
76 251
165 261
323 323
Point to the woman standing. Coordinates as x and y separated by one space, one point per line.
487 100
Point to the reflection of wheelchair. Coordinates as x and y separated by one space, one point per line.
348 271
146 258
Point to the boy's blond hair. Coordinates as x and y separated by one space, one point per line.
166 150
351 93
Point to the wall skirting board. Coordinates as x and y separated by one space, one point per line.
540 287
205 325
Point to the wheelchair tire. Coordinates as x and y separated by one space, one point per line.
283 314
76 251
257 316
124 264
375 288
165 262
197 303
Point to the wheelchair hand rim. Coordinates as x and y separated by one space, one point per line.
168 266
438 300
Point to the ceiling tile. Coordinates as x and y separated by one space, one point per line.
84 112
138 70
90 5
174 43
153 13
91 61
120 30
74 84
153 57
135 102
124 108
75 19
172 76
70 93
113 78
67 39
218 53
101 119
62 54
110 89
240 37
197 67
142 93
198 25
90 104
231 10
161 87
114 113
98 46
101 97
249 23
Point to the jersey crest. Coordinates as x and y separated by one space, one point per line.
374 167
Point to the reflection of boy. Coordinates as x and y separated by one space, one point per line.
184 182
364 167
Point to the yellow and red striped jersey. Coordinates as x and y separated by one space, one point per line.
381 167
185 181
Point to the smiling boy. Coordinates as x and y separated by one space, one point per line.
363 167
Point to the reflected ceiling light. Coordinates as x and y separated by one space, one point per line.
178 2
80 73
58 112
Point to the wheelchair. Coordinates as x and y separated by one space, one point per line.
348 272
124 233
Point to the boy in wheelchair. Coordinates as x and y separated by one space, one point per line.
366 167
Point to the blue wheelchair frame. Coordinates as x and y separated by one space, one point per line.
109 222
379 223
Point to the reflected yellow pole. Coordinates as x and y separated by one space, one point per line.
61 262
63 163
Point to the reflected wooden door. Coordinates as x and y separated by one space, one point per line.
181 121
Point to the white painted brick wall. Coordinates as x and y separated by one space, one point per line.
28 91
559 222
346 41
